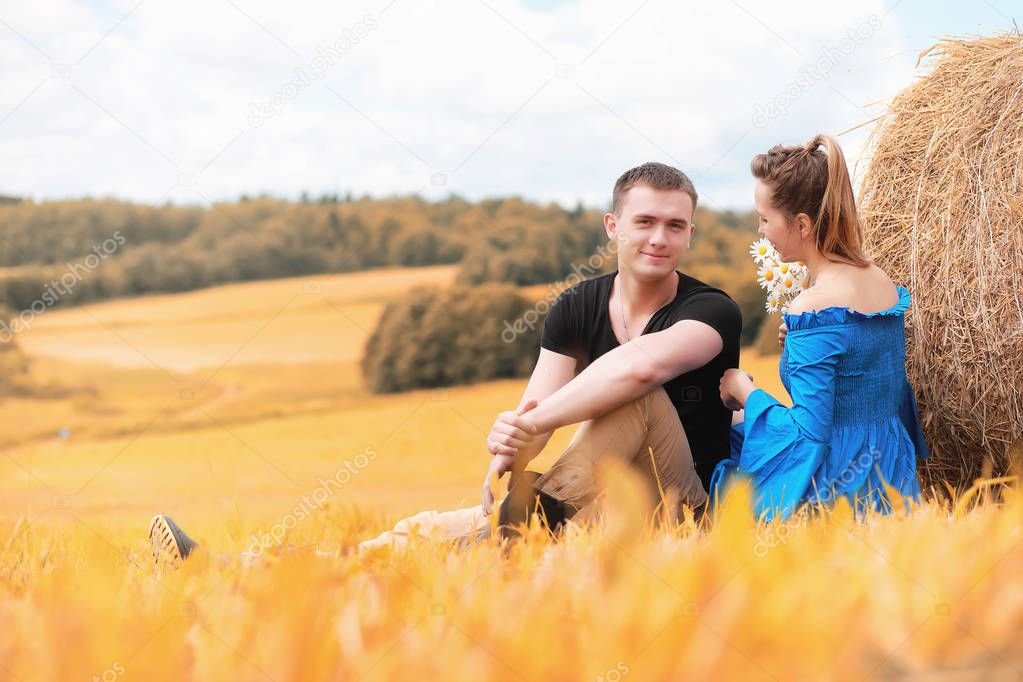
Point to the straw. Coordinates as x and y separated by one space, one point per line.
942 209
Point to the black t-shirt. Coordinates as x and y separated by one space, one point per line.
578 325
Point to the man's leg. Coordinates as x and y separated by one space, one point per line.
170 544
464 526
645 433
524 500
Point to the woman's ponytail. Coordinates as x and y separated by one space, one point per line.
805 179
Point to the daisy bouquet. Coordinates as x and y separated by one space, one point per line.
783 281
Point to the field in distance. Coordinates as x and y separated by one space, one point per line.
242 393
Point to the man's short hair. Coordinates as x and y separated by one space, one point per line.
652 174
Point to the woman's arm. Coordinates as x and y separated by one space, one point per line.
784 446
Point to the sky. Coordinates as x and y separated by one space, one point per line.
193 101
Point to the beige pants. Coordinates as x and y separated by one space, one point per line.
628 434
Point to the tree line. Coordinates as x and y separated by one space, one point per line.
58 253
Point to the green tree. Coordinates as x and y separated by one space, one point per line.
443 337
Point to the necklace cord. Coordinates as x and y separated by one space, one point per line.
621 308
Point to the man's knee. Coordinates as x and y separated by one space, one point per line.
653 400
657 403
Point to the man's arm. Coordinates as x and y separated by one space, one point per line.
552 372
627 373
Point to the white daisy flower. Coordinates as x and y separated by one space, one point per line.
761 250
786 285
799 274
773 303
767 276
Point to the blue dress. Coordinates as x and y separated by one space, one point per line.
853 427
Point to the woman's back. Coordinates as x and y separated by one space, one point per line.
870 373
864 289
852 430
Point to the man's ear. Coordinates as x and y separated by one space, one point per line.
611 226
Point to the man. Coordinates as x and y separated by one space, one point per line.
652 344
636 356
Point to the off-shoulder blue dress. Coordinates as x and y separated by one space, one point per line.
853 423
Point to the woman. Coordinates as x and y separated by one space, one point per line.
853 427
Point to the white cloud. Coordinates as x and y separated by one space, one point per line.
470 89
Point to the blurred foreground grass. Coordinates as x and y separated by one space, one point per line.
826 598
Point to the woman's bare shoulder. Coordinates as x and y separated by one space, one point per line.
871 291
867 290
801 304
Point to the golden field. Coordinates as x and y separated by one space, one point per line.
225 407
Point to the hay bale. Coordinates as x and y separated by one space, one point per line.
943 213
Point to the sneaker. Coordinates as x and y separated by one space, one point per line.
168 542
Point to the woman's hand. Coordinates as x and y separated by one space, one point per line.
736 385
782 333
511 431
499 466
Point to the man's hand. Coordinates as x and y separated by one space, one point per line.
511 431
782 333
499 466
